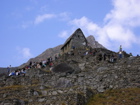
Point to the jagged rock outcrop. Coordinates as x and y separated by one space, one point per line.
93 43
63 67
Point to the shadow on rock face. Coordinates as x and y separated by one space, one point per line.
63 68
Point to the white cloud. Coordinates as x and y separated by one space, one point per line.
23 53
125 12
41 18
64 34
118 27
64 16
116 33
121 20
87 25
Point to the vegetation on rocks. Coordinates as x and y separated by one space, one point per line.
126 96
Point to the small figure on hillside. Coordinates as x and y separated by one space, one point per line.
34 64
94 52
50 59
90 51
43 63
56 57
30 64
112 58
12 74
17 72
23 72
86 53
9 69
38 65
104 56
73 47
137 55
100 57
51 64
120 54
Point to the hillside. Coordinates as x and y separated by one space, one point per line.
74 80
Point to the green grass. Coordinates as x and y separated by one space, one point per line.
129 96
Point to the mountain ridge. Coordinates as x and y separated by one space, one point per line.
57 50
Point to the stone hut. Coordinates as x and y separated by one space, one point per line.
76 40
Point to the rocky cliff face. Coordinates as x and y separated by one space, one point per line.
75 78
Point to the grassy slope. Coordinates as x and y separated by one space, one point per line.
129 96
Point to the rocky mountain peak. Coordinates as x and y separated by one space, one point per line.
93 43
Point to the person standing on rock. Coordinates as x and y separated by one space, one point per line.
120 54
50 59
112 58
9 69
30 64
56 57
120 48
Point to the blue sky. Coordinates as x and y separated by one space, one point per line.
29 27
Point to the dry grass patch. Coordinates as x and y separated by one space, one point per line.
129 96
